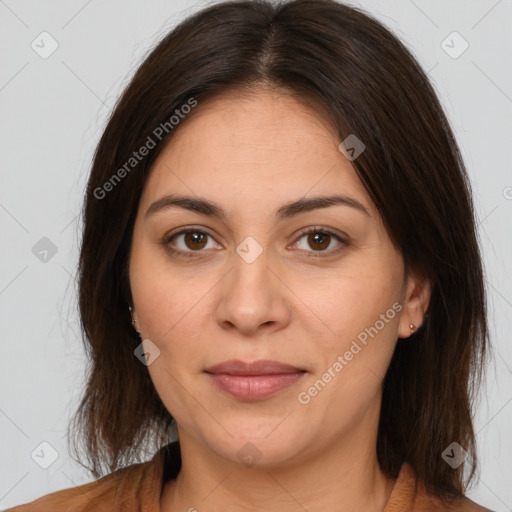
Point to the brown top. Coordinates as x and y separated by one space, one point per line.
137 488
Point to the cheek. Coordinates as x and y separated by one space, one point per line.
173 310
352 304
361 308
175 313
165 299
173 317
353 361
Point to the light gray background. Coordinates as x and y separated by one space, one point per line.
53 111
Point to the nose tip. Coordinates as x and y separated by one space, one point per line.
249 326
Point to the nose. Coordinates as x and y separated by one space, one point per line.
252 298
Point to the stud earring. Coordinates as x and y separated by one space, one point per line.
133 321
412 327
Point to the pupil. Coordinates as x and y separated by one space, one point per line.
321 240
193 238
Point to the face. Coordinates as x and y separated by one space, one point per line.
316 286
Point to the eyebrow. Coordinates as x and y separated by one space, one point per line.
206 207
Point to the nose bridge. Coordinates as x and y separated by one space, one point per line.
251 296
249 283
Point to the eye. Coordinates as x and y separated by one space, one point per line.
320 240
192 242
188 241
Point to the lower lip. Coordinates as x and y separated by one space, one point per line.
254 387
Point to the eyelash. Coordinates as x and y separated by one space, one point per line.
306 231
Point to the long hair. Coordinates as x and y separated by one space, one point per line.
365 80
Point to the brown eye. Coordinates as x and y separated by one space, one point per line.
195 240
190 241
319 240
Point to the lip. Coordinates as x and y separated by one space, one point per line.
261 367
253 380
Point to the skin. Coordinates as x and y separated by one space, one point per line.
250 154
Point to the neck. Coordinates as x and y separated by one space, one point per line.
345 476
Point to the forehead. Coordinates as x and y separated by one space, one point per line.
254 148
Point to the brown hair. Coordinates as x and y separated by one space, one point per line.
367 82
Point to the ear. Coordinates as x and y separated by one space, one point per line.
134 318
415 303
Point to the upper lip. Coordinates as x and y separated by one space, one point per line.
262 367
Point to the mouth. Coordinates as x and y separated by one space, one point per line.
253 380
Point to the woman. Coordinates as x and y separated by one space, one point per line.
280 271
